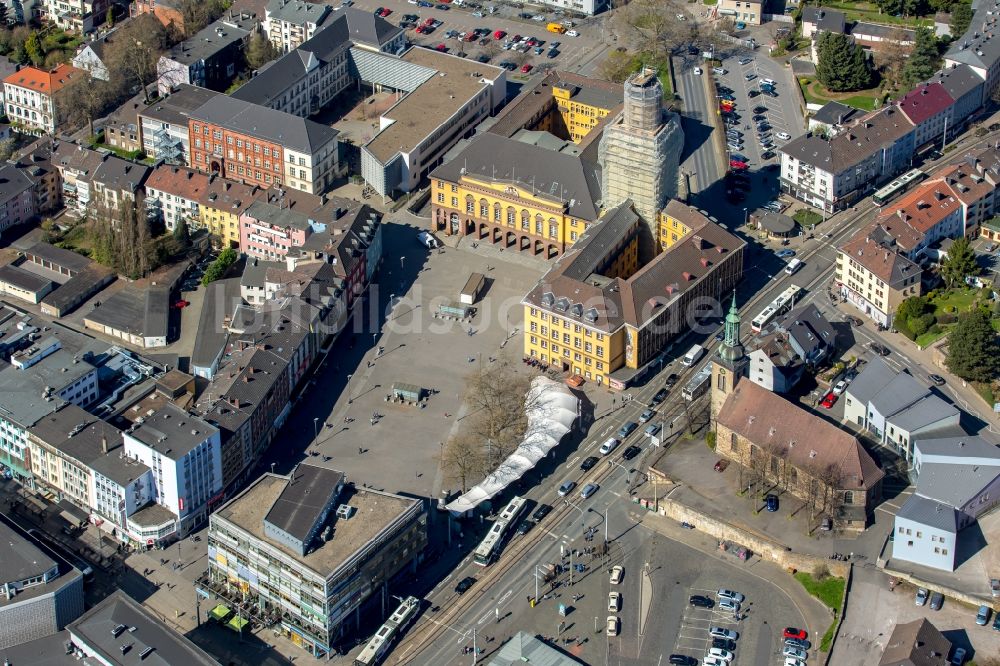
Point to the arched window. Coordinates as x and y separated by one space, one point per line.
484 208
511 216
497 213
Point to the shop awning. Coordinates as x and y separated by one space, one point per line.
237 623
220 613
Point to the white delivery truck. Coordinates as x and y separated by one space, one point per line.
695 353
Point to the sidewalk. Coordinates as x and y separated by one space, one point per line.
818 617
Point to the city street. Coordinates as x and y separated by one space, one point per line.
700 161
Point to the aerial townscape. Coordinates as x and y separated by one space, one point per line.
449 332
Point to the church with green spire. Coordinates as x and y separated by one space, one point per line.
730 362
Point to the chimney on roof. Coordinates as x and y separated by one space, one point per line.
104 444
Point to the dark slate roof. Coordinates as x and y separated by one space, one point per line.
835 113
809 328
916 643
979 46
553 175
263 123
21 558
850 147
958 81
297 11
121 175
929 512
176 107
23 279
94 629
824 19
298 507
345 27
599 239
211 39
12 182
135 310
862 28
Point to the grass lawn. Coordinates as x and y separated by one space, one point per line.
985 392
868 11
830 591
815 93
954 301
77 239
806 217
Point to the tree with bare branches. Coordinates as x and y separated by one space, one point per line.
616 67
461 460
82 100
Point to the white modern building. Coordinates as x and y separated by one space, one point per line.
183 452
957 480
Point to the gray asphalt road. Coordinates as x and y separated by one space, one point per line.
699 160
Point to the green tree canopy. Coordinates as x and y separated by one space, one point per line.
33 49
181 233
260 51
973 349
924 59
961 261
961 18
842 65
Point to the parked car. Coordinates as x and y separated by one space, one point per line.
729 594
725 655
613 625
857 321
631 452
609 445
721 632
646 415
729 605
566 488
614 602
746 60
721 465
784 136
588 463
652 430
526 67
542 511
772 503
937 380
826 525
670 381
794 632
724 644
700 601
660 396
525 526
983 616
784 254
464 584
840 387
996 622
798 643
589 490
958 657
795 653
937 600
617 573
682 660
697 71
829 400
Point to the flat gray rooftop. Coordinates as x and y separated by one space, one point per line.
375 511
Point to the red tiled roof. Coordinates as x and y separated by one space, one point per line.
924 207
42 81
925 101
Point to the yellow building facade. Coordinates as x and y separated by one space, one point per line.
508 214
669 229
224 225
578 115
588 352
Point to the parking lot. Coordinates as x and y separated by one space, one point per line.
743 76
456 20
693 636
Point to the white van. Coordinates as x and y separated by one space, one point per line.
609 446
695 353
793 266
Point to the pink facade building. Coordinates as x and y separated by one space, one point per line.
269 232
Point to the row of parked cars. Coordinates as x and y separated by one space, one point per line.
983 615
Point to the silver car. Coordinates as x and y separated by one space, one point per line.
589 490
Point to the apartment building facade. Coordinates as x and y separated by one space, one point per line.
32 97
931 110
874 276
750 12
209 59
260 146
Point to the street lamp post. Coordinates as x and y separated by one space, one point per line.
315 427
746 216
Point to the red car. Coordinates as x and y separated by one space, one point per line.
721 465
829 400
181 304
531 42
470 36
792 632
429 23
525 69
421 29
736 164
499 34
385 12
441 47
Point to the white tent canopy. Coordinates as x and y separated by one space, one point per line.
552 409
